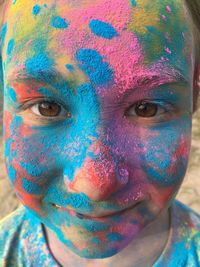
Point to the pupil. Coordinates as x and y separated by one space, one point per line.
49 109
146 109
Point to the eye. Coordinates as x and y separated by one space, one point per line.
49 109
145 109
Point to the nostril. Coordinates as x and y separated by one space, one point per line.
123 174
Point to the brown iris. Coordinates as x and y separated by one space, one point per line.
49 109
146 110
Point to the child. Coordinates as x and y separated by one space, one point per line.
97 129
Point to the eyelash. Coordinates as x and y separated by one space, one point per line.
31 104
166 110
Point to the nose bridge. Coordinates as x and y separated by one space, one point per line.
101 159
97 177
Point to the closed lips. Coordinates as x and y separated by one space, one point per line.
99 216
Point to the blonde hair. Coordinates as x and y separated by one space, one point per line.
193 7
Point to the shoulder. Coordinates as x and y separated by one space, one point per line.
186 224
11 229
22 242
186 227
185 217
10 226
183 246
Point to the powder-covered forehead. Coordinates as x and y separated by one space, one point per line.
106 19
136 30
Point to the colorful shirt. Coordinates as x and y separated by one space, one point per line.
22 240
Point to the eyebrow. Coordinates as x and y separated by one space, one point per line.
148 82
159 80
52 76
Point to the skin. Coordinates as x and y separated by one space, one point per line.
97 61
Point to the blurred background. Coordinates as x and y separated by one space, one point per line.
188 194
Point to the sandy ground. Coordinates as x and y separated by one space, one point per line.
189 192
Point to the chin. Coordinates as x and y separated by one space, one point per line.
100 238
90 253
98 245
97 252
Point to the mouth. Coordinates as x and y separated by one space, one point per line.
102 217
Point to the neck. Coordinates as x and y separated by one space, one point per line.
152 240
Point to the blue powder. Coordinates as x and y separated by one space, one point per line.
11 174
113 237
32 169
37 64
45 91
3 33
96 241
87 103
30 187
86 253
152 29
92 155
133 2
108 253
94 226
59 23
164 180
36 10
45 5
39 45
80 128
155 175
16 123
80 201
10 47
7 147
69 173
14 2
69 67
181 258
91 62
102 29
134 222
12 94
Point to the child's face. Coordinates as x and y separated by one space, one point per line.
97 114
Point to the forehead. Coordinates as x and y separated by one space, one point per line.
119 35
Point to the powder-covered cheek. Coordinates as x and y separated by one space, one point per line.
165 164
45 151
23 163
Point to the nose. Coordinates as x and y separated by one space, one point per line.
99 177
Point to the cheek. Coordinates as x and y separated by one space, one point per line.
165 162
166 156
156 156
37 158
27 160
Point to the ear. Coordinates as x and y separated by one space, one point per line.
196 85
